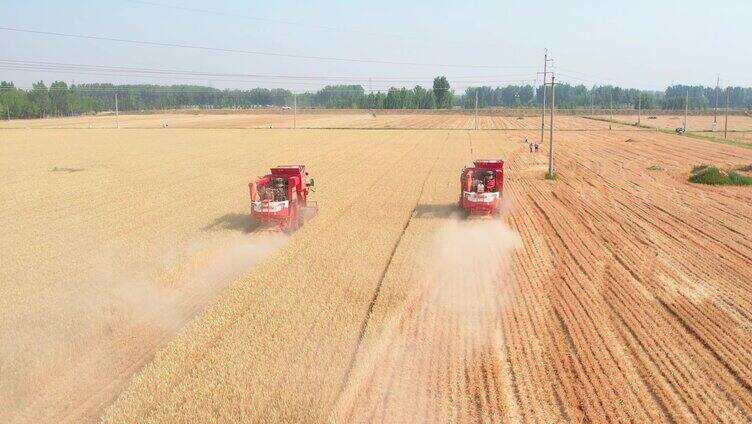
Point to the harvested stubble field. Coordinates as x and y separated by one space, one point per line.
627 299
740 127
616 293
743 136
694 122
310 119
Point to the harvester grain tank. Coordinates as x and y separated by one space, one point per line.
481 187
280 198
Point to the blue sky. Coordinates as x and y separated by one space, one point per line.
642 44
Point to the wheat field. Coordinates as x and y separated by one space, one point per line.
135 288
324 119
694 122
739 127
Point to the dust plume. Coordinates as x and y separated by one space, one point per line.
437 359
70 359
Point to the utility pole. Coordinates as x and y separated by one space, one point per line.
117 115
639 108
543 108
551 130
686 110
294 110
725 127
476 108
592 103
611 105
715 110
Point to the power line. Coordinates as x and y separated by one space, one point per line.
201 75
114 74
167 88
180 74
205 90
251 52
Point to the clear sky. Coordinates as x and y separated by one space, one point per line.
638 43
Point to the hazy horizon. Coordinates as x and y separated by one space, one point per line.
639 45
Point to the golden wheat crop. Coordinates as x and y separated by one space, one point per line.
607 295
323 119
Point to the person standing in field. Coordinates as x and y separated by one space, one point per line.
531 147
536 147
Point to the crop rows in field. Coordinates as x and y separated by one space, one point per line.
616 313
619 292
430 352
143 223
694 122
609 309
636 304
739 127
309 120
315 290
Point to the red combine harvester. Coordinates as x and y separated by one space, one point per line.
481 187
280 199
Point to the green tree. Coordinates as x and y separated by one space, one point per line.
60 99
15 101
40 99
442 93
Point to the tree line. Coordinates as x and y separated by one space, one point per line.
439 96
61 99
603 97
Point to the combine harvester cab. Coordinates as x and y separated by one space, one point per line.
481 187
280 199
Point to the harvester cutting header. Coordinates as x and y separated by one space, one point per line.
280 198
481 187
